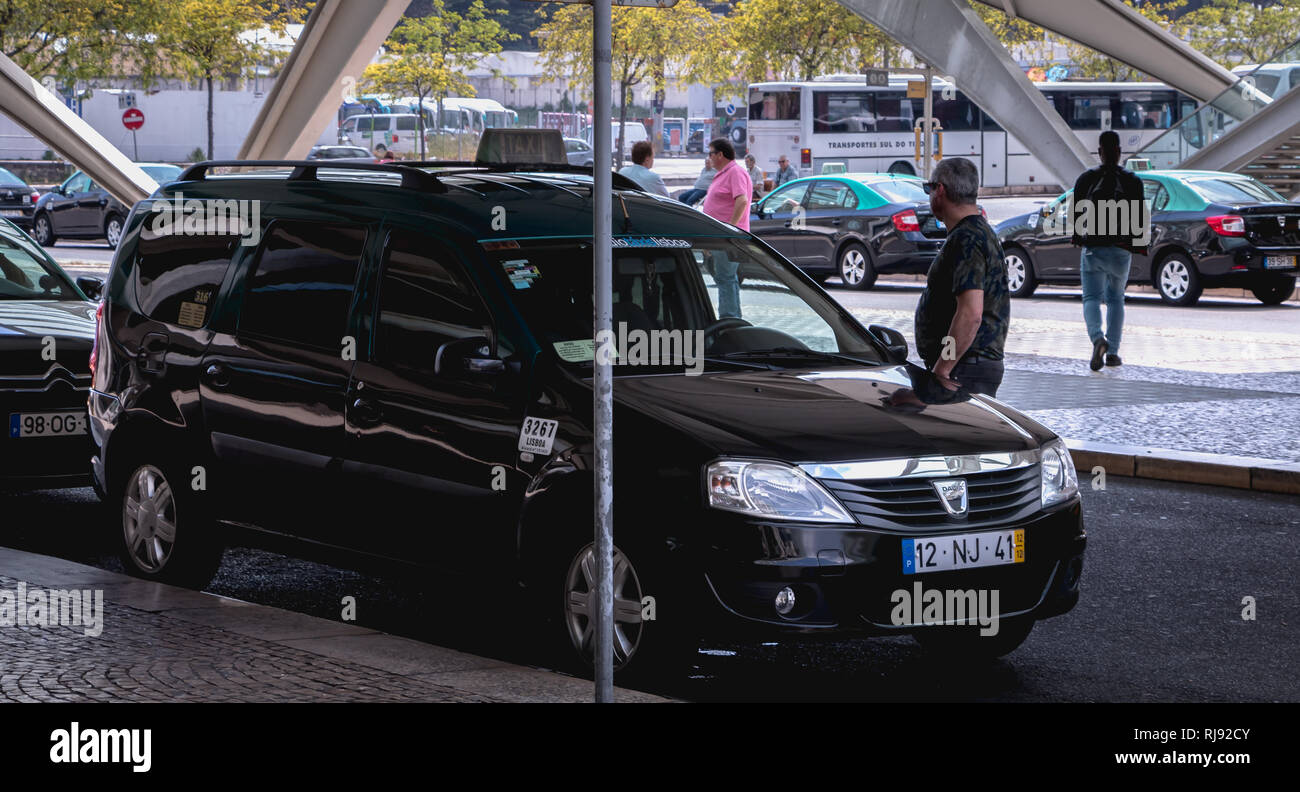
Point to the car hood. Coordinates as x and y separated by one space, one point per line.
25 323
829 415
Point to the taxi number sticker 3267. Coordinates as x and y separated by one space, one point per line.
537 435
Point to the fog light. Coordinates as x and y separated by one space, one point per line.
785 600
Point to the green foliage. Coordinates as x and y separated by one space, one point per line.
1091 64
1234 32
801 39
75 40
196 155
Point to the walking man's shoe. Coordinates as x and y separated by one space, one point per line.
1113 360
1099 350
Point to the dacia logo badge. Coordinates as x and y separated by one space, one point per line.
952 494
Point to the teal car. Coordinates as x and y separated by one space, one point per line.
1209 229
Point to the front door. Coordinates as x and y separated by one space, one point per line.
828 203
781 219
431 454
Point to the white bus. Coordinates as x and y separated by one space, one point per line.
870 129
466 114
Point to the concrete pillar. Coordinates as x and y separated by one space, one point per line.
949 35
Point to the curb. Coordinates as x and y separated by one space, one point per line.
1191 467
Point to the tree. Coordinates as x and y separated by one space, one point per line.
427 56
1013 33
801 39
1233 32
211 39
74 40
685 38
1094 65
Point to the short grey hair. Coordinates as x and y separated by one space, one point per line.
960 179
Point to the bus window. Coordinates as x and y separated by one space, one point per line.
1145 110
843 112
894 112
1087 111
959 114
773 105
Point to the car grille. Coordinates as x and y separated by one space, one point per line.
911 504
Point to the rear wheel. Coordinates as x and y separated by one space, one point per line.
164 535
1177 280
855 267
903 168
1273 292
966 643
1020 272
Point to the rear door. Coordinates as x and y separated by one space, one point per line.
273 387
425 448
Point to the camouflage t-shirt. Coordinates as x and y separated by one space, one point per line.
971 258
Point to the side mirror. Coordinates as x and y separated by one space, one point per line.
58 189
892 340
92 287
1047 210
467 357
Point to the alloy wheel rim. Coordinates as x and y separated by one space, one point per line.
580 602
853 268
1174 279
42 230
114 232
1015 272
149 519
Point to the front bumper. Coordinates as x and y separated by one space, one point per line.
844 577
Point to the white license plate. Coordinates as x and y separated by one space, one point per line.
1279 262
963 551
47 424
13 213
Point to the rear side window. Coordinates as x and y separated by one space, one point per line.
425 300
300 290
381 124
831 195
364 123
176 277
406 123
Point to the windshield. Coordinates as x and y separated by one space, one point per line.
8 178
726 296
900 191
25 275
1236 190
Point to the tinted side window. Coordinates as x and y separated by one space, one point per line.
78 183
406 123
425 300
176 277
786 199
364 123
829 195
301 287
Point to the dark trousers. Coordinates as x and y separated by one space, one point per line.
979 375
691 196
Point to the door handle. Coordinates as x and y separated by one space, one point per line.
216 375
365 412
836 221
787 223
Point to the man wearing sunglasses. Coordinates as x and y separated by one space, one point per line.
963 314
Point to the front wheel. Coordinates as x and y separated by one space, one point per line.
1178 281
113 230
1275 291
1020 273
43 230
855 267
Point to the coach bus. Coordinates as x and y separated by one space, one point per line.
840 120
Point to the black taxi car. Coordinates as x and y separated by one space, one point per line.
398 367
47 326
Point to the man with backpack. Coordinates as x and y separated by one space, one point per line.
1110 218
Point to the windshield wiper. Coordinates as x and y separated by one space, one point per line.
795 352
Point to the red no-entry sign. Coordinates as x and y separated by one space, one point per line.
133 119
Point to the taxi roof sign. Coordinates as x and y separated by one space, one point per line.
521 146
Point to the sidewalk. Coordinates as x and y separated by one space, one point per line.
160 643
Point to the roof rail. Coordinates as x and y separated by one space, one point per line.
305 170
620 181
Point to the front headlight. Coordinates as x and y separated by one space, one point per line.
772 490
1060 481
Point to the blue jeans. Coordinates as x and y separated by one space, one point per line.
1104 274
691 196
724 274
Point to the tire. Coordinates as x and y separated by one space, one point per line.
1021 281
150 508
644 649
113 230
1274 292
1177 280
855 268
964 643
43 230
903 168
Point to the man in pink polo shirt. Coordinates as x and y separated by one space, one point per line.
728 201
729 194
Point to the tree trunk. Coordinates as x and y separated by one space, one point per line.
211 153
419 124
661 95
622 121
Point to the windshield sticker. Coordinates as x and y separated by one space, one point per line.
537 435
191 314
582 350
521 273
650 242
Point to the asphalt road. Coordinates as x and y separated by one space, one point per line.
1159 619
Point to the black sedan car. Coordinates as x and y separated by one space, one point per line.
1208 229
81 209
853 225
47 330
17 199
